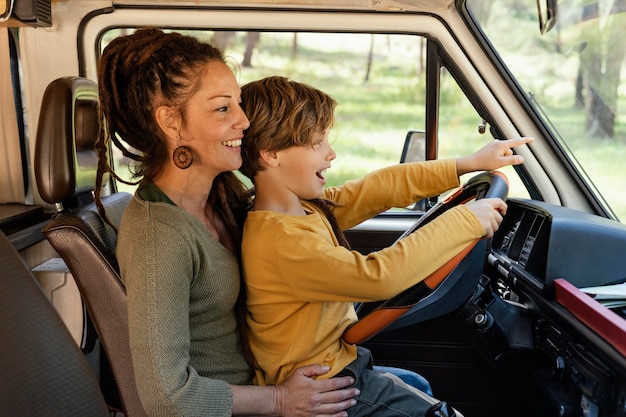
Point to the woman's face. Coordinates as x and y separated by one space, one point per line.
214 121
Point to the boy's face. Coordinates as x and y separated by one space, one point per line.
303 167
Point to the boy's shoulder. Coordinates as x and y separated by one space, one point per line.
272 221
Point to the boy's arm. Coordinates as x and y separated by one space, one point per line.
333 273
403 184
494 155
394 186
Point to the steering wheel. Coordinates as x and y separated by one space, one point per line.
493 184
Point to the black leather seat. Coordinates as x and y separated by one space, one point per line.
65 168
43 372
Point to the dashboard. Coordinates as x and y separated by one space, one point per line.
503 299
538 243
517 320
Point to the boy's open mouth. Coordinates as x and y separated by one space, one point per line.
320 174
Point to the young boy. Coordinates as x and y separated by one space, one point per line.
301 278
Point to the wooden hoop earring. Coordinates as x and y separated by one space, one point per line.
182 156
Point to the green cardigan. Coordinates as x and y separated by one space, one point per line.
182 285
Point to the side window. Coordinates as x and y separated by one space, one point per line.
460 130
379 81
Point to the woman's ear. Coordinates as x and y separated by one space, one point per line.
169 121
269 158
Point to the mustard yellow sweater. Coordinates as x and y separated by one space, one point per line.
301 283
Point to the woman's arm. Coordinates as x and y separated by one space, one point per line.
299 396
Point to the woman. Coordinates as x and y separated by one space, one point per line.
175 102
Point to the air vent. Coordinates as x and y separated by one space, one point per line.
36 13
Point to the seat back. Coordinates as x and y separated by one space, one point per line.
65 163
43 372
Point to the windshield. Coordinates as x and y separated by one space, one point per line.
574 73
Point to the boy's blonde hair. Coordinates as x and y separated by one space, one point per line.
282 114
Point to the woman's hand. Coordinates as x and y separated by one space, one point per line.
298 396
303 396
494 155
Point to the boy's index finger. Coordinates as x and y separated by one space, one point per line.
520 141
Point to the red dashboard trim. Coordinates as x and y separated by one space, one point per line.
600 319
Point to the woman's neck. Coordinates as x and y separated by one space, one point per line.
191 193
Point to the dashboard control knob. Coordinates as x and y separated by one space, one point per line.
483 321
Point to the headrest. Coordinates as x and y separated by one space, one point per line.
65 157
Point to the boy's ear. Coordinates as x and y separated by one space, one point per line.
269 158
168 120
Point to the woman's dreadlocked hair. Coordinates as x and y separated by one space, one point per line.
137 74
